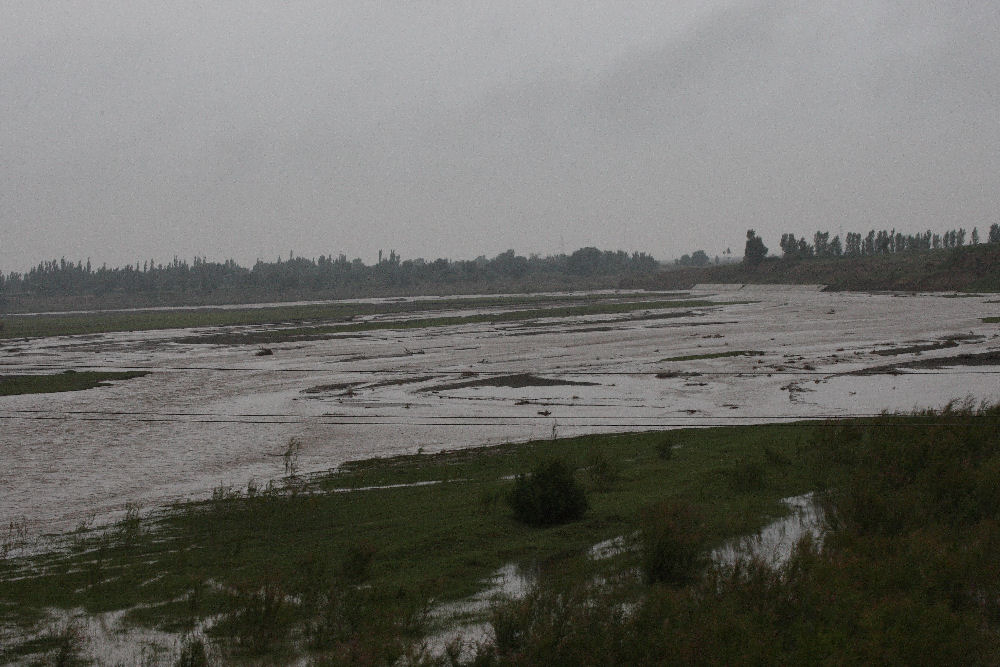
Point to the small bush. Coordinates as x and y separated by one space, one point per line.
548 496
672 543
602 471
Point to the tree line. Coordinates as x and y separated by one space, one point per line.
882 242
66 278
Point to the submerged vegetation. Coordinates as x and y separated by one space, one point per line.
348 567
11 385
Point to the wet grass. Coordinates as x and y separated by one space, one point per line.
969 359
30 326
716 355
312 567
11 385
907 572
426 542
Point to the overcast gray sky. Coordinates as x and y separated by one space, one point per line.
134 130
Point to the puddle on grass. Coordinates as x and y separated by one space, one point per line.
610 548
464 623
107 639
776 541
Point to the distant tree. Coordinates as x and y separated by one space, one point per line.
697 258
994 236
755 250
585 262
821 244
836 250
975 236
789 246
793 248
852 247
804 249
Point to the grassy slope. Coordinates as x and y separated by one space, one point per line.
971 268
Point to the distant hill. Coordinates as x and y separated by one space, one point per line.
968 269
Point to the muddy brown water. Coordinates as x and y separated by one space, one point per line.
219 415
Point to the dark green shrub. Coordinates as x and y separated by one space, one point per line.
548 496
673 543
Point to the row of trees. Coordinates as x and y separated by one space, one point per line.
881 242
327 272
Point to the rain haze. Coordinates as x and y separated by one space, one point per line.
244 130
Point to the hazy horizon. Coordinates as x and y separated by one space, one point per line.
138 130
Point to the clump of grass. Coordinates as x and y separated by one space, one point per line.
673 542
602 472
356 564
665 448
747 477
262 623
128 530
193 653
69 642
774 457
14 537
549 495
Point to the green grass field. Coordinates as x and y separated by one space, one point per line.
343 567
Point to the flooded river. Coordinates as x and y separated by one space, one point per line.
211 415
